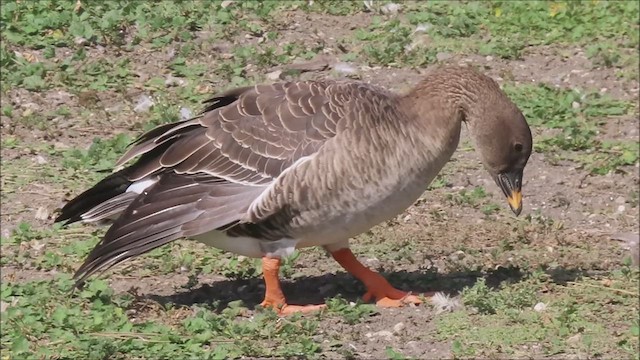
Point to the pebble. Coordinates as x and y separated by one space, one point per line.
42 214
458 255
575 105
41 160
574 339
388 335
185 113
274 75
620 200
397 328
539 307
80 40
345 68
37 246
621 208
173 81
390 9
372 262
144 104
412 345
423 28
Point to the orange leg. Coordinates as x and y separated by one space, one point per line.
378 288
274 297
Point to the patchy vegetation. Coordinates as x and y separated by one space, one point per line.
80 80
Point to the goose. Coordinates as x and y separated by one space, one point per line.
270 168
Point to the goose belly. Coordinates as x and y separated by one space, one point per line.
341 228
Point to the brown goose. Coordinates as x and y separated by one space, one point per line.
269 168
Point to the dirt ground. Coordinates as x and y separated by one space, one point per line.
437 244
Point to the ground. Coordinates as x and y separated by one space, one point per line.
79 81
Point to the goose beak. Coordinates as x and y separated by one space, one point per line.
511 185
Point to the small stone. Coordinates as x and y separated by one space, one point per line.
144 104
31 106
42 214
80 40
274 75
397 328
170 54
226 3
489 58
621 208
388 335
412 345
41 160
575 339
620 200
173 81
37 246
372 262
539 307
185 113
422 28
458 255
345 68
575 105
390 9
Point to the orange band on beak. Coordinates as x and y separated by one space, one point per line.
515 201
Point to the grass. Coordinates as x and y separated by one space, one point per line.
503 29
73 71
532 318
576 116
96 323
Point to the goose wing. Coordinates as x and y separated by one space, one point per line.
210 169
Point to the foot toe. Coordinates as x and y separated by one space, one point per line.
286 309
304 309
391 303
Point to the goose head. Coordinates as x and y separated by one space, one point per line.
502 137
504 142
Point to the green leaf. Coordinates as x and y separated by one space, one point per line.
33 82
20 345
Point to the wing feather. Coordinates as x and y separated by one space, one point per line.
213 169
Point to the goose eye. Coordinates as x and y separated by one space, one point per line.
517 147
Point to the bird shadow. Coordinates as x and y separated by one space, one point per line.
316 289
